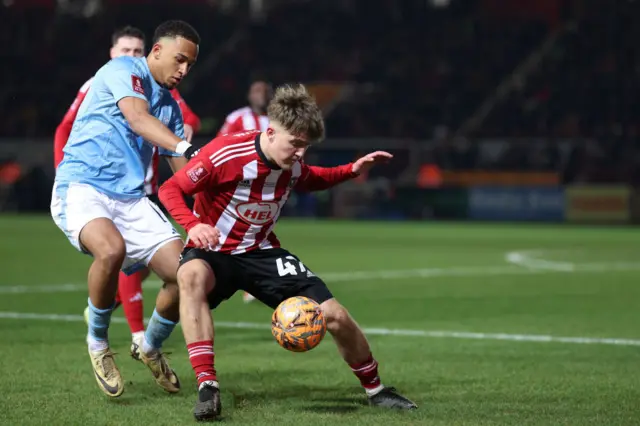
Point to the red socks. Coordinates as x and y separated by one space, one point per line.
201 356
130 295
367 372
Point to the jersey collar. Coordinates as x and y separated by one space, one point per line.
263 157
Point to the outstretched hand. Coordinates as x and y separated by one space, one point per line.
363 164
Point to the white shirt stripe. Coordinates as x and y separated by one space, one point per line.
268 194
295 173
229 149
231 157
241 195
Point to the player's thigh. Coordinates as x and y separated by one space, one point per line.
74 205
166 260
146 230
227 277
276 275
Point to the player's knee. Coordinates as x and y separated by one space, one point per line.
195 278
337 316
111 253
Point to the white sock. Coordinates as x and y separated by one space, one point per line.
96 345
146 347
374 391
137 337
213 383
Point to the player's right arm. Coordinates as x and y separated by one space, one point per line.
198 174
64 128
124 80
136 111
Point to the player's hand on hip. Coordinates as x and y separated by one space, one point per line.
365 163
188 133
204 236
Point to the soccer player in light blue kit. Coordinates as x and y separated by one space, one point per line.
99 201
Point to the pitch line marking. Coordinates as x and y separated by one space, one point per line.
371 331
531 259
520 263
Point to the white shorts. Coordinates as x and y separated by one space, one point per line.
142 224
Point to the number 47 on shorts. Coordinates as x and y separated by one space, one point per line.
287 266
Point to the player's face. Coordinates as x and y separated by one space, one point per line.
128 46
175 57
285 149
260 93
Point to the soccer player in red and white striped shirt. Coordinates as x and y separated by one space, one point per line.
254 116
127 41
241 182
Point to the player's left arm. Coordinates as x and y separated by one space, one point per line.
313 178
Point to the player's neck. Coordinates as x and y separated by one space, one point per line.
264 141
155 73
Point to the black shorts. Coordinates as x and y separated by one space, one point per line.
271 276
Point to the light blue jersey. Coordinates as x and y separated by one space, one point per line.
102 150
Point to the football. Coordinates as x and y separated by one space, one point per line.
298 324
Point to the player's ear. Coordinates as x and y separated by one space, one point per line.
271 133
155 50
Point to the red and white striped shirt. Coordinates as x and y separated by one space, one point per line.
240 192
243 119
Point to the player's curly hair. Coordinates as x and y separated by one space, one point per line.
127 31
295 109
175 29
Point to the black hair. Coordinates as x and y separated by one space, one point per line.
127 31
175 29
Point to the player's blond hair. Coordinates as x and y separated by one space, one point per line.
296 110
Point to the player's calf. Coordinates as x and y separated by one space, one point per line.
165 316
195 280
352 343
355 350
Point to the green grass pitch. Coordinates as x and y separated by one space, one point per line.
465 319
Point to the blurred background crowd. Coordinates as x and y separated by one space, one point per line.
528 85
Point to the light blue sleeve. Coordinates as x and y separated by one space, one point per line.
177 127
124 79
